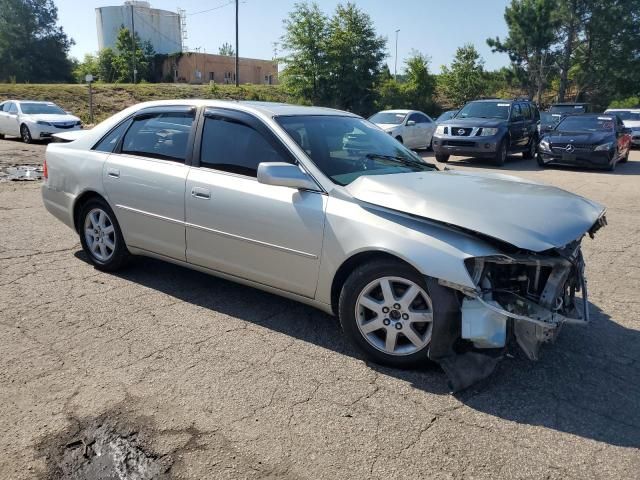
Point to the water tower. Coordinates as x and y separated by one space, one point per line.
162 28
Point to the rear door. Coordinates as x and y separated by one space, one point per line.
411 136
236 225
145 179
517 128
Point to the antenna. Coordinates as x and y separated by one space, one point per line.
183 28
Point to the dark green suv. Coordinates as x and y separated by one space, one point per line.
489 129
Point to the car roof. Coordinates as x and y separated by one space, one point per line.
567 103
633 110
501 100
270 109
398 110
587 115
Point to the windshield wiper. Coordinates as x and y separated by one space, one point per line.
402 160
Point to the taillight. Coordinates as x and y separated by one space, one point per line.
45 172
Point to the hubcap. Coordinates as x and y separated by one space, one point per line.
100 234
395 316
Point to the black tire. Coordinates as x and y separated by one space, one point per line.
399 138
25 134
430 146
119 254
531 149
359 280
501 153
1 136
539 160
442 157
614 162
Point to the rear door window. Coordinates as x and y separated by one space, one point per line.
110 140
163 135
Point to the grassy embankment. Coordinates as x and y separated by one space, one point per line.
110 98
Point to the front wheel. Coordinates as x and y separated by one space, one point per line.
101 237
442 157
386 311
501 153
540 161
25 134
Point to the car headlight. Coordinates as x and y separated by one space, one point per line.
42 122
440 129
604 146
488 132
544 145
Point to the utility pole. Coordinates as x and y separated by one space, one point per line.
395 68
133 45
237 69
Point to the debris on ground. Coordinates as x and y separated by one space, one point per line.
21 173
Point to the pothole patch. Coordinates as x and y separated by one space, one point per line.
104 451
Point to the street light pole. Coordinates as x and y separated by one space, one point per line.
133 44
395 68
237 69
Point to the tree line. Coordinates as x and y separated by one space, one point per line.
559 50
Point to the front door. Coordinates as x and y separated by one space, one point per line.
145 180
264 233
517 127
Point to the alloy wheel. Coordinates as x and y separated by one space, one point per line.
100 234
395 316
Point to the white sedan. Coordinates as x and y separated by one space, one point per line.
31 120
412 128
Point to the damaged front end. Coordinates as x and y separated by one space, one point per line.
525 295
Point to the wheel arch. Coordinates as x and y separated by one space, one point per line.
353 262
83 198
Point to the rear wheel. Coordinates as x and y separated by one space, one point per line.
501 153
442 157
101 237
531 151
25 134
386 310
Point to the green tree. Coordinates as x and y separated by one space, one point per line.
304 41
354 55
420 84
106 70
465 80
227 50
122 62
532 34
32 47
88 66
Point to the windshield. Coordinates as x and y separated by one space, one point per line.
41 108
446 116
627 115
345 148
549 118
485 110
394 118
581 124
567 109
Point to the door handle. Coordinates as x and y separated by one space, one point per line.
201 193
113 172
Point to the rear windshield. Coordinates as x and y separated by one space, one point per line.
627 115
393 118
581 124
496 109
568 109
41 108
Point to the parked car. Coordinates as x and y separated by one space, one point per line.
588 139
548 121
489 129
33 120
448 115
412 128
631 120
323 207
568 108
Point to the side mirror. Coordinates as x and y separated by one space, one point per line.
411 123
285 175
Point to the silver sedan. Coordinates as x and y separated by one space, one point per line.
323 207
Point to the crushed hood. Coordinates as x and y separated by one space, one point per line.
526 214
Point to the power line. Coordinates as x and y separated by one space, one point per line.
212 9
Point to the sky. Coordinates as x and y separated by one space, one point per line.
433 27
